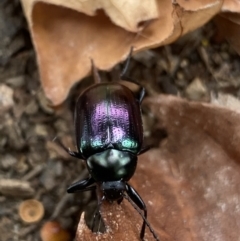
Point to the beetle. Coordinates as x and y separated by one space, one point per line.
109 137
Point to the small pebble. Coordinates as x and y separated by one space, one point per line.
6 97
17 81
59 169
41 130
31 108
225 56
205 42
22 165
184 63
226 100
3 140
216 58
197 91
14 134
180 75
7 161
180 81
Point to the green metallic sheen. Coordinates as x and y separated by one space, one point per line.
112 165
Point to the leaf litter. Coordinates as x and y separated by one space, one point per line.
189 180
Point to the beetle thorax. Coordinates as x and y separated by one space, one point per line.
112 165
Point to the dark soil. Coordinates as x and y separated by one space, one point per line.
198 67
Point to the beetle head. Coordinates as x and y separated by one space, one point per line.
113 190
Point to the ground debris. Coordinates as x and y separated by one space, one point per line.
16 188
197 90
6 97
32 165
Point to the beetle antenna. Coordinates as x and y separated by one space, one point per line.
125 69
145 220
125 77
68 150
95 73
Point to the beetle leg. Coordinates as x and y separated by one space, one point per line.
75 154
142 91
141 94
97 214
140 203
144 149
95 73
71 153
125 69
82 185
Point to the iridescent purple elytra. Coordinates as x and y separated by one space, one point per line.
108 115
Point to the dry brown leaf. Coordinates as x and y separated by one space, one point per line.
190 184
126 14
66 34
195 18
228 23
229 26
193 5
231 6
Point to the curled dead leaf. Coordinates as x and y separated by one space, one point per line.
193 5
66 34
190 184
231 6
228 23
